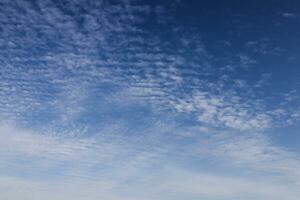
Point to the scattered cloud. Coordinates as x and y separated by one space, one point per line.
73 86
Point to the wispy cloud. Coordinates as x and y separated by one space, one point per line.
104 167
288 15
91 51
85 101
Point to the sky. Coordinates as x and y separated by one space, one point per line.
149 99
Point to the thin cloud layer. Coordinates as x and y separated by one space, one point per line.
146 100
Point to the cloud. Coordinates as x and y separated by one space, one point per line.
288 15
90 55
111 166
257 152
89 95
212 186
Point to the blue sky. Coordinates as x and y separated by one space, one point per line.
143 100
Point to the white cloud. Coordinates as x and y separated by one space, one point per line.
98 53
288 15
114 167
108 57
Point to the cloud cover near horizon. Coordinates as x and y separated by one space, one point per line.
149 100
